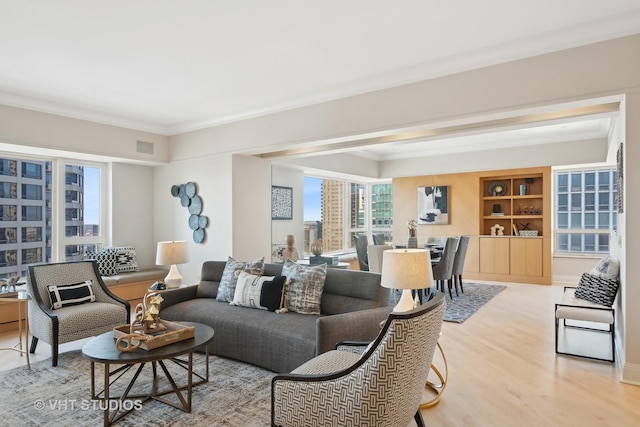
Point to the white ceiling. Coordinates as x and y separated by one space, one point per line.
170 66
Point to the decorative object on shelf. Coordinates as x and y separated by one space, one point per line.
433 205
523 189
412 242
406 269
290 252
515 229
281 202
172 253
528 233
497 188
497 230
497 208
190 200
317 248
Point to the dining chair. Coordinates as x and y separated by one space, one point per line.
458 262
361 244
375 257
378 239
443 270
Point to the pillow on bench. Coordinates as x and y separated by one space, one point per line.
597 290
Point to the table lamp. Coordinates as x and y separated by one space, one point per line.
172 253
406 269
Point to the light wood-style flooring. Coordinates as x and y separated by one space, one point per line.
503 370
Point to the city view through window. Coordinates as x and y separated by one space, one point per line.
336 211
28 212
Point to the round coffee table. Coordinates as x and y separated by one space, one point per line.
102 349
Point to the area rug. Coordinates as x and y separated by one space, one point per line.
237 394
475 295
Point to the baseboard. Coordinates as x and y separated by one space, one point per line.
631 374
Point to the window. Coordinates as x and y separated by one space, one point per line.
336 211
585 210
30 201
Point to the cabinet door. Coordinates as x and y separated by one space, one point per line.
494 255
526 256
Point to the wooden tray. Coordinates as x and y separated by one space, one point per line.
175 332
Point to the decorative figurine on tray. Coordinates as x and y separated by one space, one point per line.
146 323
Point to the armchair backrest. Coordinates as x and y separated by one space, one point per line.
62 273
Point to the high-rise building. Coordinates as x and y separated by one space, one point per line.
332 215
382 209
26 213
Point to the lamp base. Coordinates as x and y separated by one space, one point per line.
405 303
173 279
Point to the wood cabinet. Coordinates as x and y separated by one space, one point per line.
514 235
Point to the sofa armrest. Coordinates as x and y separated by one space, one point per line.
174 296
363 325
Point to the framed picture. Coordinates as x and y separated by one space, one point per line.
433 205
620 170
281 202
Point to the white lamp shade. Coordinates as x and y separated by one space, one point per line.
406 269
172 252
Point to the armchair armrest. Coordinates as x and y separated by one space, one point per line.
363 325
174 296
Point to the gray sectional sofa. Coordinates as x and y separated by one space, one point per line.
353 305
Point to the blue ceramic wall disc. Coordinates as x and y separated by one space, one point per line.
184 200
193 222
198 235
175 190
196 205
190 189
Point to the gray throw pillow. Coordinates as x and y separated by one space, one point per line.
232 269
303 291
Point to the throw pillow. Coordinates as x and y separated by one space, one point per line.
607 268
249 290
271 293
70 294
303 294
106 260
232 269
125 259
597 290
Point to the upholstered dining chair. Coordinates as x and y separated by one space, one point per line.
378 239
458 262
82 309
443 270
381 387
375 257
361 242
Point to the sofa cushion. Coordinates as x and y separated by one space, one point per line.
70 294
597 290
232 270
249 289
106 260
303 290
271 293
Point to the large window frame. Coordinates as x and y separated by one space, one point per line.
356 211
584 210
34 230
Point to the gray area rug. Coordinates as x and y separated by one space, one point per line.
461 307
237 394
475 295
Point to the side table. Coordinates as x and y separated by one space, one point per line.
22 298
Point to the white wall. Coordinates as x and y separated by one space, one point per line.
294 178
132 213
212 175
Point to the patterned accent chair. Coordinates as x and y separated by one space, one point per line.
72 322
382 387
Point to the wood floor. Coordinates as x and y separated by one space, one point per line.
503 370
